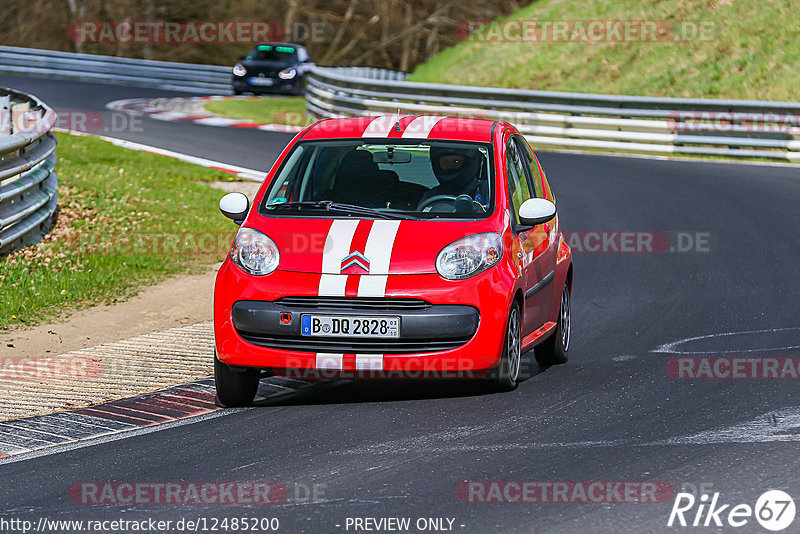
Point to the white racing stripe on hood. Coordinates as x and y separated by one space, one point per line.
421 127
337 246
379 248
331 282
378 251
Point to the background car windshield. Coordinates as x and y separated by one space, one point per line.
429 179
281 54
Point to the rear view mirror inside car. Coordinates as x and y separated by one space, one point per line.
391 156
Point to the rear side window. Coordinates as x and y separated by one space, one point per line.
518 188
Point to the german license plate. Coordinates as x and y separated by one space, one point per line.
350 326
261 81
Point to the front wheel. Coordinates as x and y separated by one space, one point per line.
235 387
553 351
507 371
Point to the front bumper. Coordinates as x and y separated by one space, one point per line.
279 86
423 327
461 329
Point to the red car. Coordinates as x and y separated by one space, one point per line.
377 246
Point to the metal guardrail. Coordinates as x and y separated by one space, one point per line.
28 182
109 69
730 128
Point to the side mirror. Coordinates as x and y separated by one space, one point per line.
235 206
536 211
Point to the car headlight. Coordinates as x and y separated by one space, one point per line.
469 256
239 70
254 252
287 74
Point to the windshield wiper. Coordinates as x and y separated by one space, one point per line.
339 207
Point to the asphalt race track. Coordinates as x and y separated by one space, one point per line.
232 145
612 413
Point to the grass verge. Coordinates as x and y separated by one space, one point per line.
750 52
126 219
288 110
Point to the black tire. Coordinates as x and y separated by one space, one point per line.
506 374
237 92
235 387
553 351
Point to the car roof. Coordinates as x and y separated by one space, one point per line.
276 43
410 127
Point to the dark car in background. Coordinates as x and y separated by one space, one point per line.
272 68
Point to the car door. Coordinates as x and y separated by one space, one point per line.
532 242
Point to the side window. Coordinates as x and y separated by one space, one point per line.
302 55
518 189
532 166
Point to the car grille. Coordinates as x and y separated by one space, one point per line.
268 73
354 303
350 345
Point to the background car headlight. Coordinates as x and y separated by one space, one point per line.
254 252
239 70
287 74
469 256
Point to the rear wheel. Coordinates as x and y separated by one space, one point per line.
553 351
507 371
235 387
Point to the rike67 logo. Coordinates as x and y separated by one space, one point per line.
774 510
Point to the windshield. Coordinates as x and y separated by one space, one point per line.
432 179
283 54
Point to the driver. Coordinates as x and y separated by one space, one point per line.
458 171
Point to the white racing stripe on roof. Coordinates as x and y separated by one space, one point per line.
382 126
421 127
